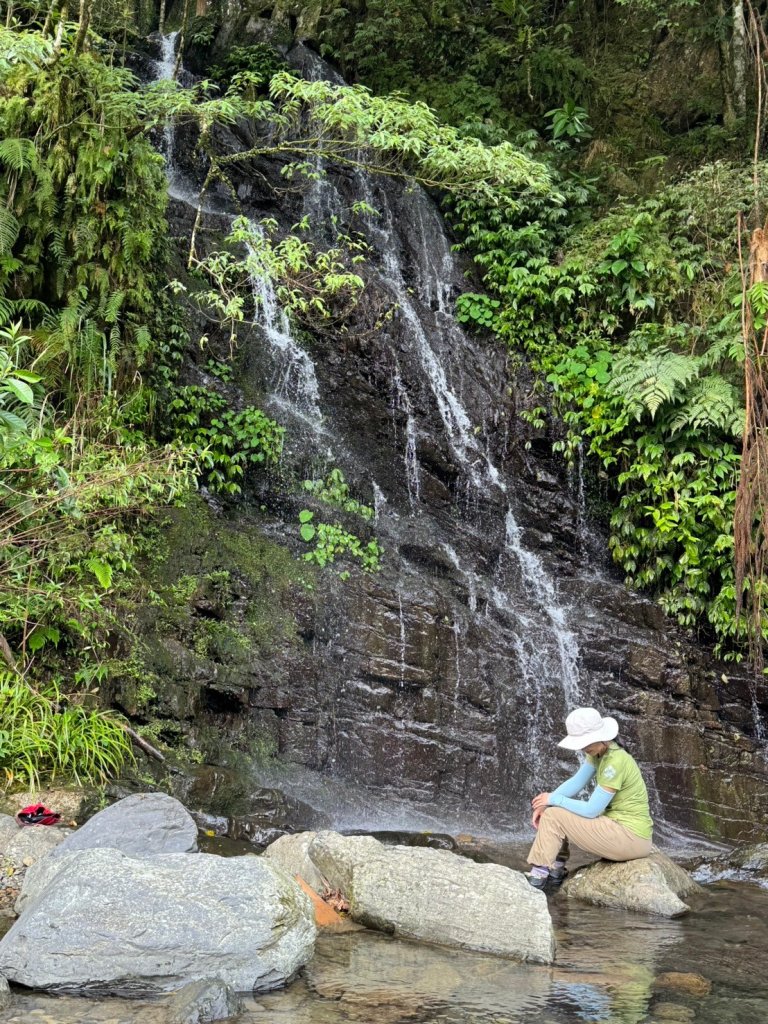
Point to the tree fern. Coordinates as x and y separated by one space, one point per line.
646 383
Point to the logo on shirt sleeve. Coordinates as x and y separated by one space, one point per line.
610 772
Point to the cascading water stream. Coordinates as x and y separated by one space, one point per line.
295 386
435 274
411 457
166 70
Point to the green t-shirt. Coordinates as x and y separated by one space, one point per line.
618 770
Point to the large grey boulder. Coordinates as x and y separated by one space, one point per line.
651 885
9 829
434 896
100 922
142 825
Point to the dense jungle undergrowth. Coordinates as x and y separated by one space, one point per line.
603 194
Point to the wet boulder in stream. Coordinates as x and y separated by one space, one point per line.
99 922
650 885
433 896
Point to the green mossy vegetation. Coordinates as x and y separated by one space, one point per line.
225 595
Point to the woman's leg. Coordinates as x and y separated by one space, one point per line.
602 836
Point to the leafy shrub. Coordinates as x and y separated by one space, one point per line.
334 490
333 541
633 321
225 441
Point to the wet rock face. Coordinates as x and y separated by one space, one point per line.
444 679
278 22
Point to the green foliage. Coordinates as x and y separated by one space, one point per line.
477 310
334 490
633 322
569 122
225 442
333 541
248 67
67 532
43 733
475 64
403 138
87 194
21 404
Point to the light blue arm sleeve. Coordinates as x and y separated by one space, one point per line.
591 808
576 782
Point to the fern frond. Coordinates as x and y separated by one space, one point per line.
9 231
645 384
712 402
18 154
113 306
728 347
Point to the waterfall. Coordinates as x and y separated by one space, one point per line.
468 575
430 363
179 186
435 271
410 458
540 588
459 429
295 386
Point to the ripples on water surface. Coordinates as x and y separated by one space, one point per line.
606 965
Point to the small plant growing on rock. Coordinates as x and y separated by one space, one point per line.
333 541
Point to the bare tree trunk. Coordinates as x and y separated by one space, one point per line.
182 39
7 654
725 61
9 15
202 8
161 25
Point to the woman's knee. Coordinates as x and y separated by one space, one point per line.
553 814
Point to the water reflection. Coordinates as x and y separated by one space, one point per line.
606 972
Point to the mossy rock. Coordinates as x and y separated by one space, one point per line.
220 622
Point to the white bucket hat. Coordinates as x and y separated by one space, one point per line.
585 726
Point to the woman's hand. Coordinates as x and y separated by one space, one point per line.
540 801
536 818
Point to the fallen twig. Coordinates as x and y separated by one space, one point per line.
141 742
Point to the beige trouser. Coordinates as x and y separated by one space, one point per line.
603 836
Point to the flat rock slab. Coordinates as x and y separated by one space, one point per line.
434 896
99 922
141 825
651 885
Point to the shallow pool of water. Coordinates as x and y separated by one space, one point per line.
606 971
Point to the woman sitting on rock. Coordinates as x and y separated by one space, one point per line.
614 822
